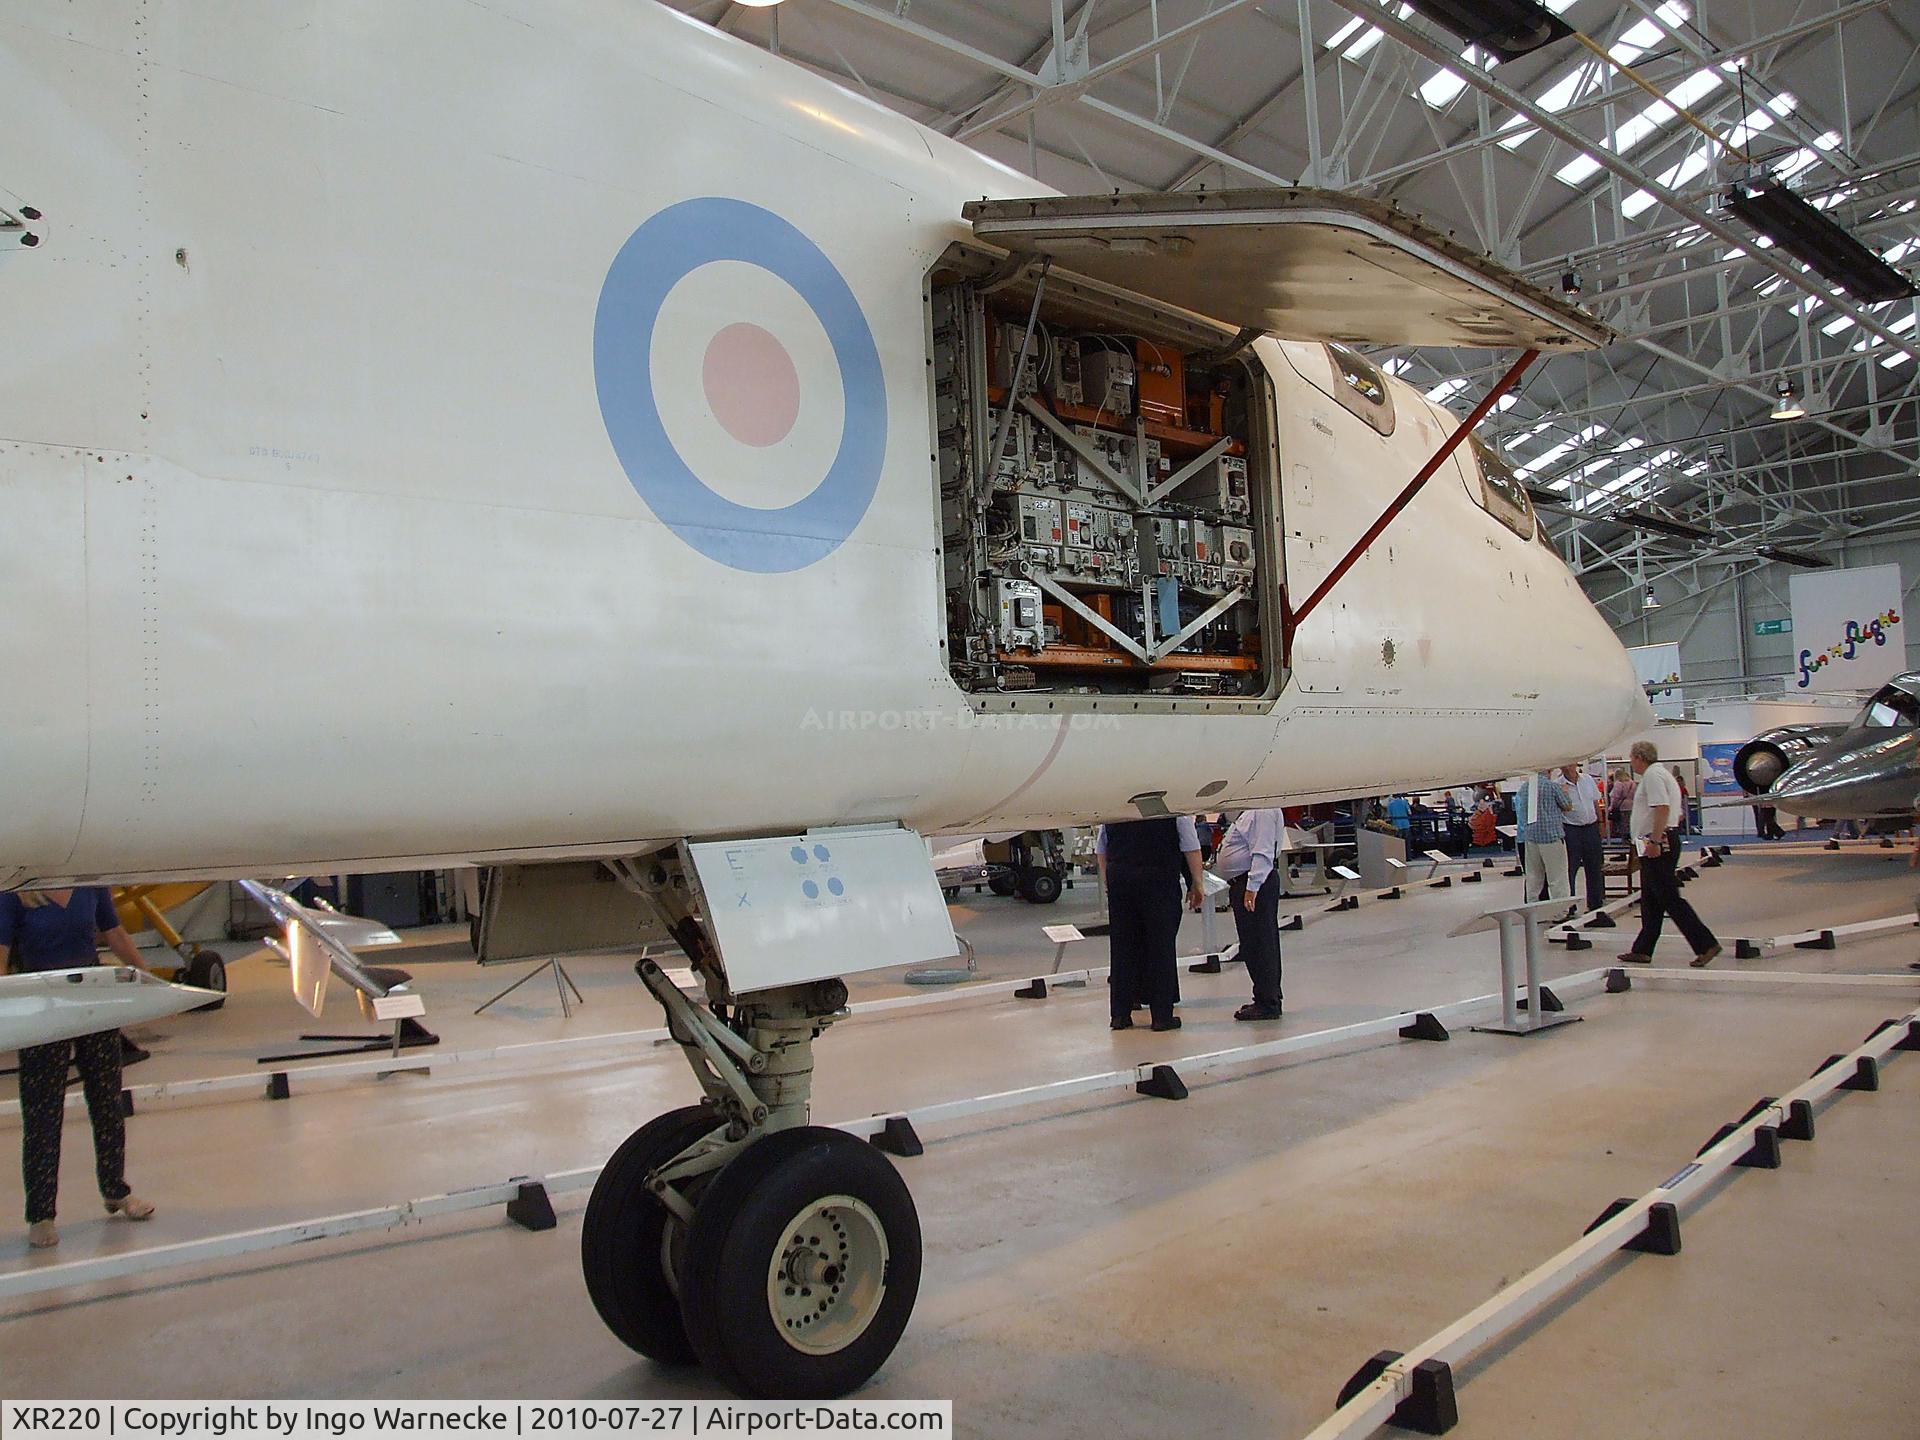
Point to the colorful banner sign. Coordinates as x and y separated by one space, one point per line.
1851 628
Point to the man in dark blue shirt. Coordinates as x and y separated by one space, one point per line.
62 930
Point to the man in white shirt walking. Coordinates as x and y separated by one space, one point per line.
1248 861
1656 839
1585 854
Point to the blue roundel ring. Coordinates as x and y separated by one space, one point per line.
657 256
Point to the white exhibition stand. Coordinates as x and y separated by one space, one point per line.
1523 920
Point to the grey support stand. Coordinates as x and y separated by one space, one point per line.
1519 927
562 981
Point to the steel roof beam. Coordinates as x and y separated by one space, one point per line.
1628 91
1051 93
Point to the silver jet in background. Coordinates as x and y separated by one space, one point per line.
1864 770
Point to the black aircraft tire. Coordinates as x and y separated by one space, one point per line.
207 971
1002 884
622 1235
808 1196
1040 887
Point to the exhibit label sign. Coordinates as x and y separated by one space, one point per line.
1852 628
1658 667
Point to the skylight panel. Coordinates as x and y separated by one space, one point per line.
1442 89
1395 366
1674 178
1546 458
1578 171
1903 324
1638 127
1374 36
1446 390
1895 360
1689 91
1570 88
1365 43
1795 163
1345 33
1636 42
1834 327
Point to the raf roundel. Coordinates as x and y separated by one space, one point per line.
752 393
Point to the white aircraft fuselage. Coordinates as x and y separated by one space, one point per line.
317 553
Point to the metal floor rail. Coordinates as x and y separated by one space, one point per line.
526 1196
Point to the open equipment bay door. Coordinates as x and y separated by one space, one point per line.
1107 435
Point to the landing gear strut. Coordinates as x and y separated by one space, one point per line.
782 1256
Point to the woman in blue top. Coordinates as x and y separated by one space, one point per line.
62 930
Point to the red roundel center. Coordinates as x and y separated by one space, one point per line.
751 385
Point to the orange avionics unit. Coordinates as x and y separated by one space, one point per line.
1162 380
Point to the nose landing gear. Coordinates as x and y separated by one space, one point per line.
782 1256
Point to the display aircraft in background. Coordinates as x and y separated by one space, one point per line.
1868 769
556 437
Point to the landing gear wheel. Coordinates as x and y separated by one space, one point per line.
1040 887
1002 884
624 1238
207 971
802 1265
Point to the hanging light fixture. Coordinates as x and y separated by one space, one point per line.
1651 600
1786 405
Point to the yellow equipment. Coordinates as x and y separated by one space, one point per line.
144 907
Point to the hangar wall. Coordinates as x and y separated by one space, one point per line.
1720 655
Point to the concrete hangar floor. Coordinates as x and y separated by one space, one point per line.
1108 1265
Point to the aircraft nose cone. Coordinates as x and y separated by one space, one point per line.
1873 774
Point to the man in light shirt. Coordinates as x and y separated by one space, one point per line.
1656 839
1539 811
1584 830
1249 862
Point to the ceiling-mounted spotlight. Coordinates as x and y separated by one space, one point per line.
1570 283
1786 402
1650 601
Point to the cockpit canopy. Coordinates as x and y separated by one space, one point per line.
1895 706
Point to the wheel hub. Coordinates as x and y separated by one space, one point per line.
825 1285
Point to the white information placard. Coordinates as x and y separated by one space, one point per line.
794 908
1063 934
1658 667
1850 629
